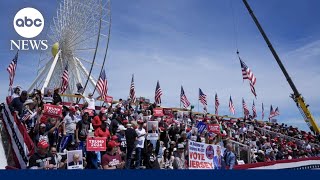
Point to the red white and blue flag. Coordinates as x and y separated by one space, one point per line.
12 70
184 99
216 104
245 108
158 94
248 74
254 111
202 97
65 80
231 106
132 93
102 85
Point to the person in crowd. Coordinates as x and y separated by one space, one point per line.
112 159
218 160
57 158
16 92
179 161
91 102
141 132
229 157
102 131
17 103
42 159
151 161
70 125
122 138
82 131
167 160
98 119
131 137
56 97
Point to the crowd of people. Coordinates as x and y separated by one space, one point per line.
124 125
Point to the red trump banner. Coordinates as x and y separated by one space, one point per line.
157 112
52 110
214 128
96 144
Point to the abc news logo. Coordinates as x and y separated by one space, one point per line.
28 23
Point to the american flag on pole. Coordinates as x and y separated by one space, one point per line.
158 93
202 97
271 115
274 113
184 99
65 80
231 106
132 91
248 74
262 114
254 111
12 69
245 109
216 104
102 85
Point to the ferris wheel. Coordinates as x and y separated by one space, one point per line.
79 36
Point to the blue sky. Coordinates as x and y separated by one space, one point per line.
193 43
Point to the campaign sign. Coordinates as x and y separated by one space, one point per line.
153 132
96 144
167 111
201 126
75 159
52 110
214 128
158 112
200 155
108 99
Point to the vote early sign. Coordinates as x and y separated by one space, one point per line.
96 144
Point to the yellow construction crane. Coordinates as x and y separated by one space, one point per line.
296 96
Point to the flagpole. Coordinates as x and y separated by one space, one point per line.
198 105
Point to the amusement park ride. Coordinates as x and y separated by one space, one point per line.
79 35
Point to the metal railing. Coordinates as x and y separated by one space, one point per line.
243 152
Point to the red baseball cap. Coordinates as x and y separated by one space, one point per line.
114 138
140 121
125 121
43 144
112 144
72 109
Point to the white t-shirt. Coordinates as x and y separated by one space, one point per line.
91 103
140 140
71 124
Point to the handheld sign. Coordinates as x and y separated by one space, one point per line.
157 112
52 110
153 132
167 111
75 160
96 144
214 128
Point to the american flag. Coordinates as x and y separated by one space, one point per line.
245 108
254 111
12 69
102 85
184 99
158 93
271 112
231 106
262 114
216 104
132 91
248 74
65 80
26 116
202 97
274 113
253 90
